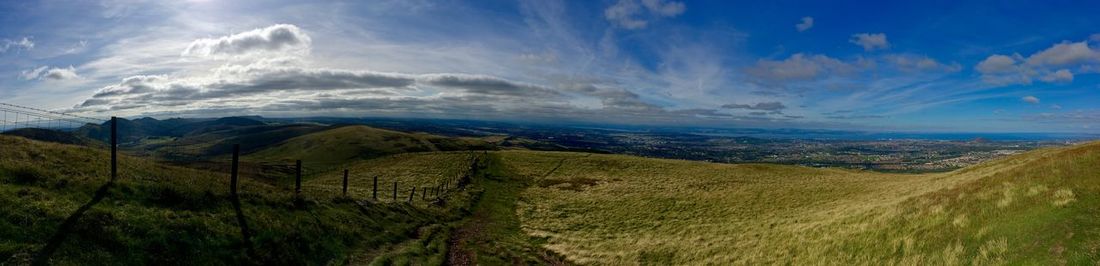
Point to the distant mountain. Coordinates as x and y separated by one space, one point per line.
131 131
186 139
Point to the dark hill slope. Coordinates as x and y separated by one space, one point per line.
54 136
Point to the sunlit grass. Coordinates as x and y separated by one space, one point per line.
608 209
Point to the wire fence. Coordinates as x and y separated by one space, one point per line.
336 176
13 117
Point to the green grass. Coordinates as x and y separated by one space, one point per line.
492 233
351 143
157 214
526 207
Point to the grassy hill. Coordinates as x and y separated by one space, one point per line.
1035 208
346 143
58 202
52 136
531 207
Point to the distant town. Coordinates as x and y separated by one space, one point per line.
889 153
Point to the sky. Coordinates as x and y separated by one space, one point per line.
931 66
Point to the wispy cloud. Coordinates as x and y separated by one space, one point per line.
870 41
806 24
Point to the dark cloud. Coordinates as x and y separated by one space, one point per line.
764 106
846 117
486 85
282 80
613 97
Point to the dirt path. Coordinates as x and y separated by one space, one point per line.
492 234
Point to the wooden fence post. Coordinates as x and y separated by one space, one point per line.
375 193
298 177
395 191
233 168
424 196
345 182
114 148
233 178
412 193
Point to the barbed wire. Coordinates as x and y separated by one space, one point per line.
30 117
51 112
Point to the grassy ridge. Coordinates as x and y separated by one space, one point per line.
347 143
156 214
609 209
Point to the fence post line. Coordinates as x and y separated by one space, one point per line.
411 194
298 177
424 196
233 169
114 148
345 182
394 191
375 193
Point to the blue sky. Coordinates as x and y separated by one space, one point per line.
1018 66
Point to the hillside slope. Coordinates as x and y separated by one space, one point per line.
346 143
1035 208
60 207
545 207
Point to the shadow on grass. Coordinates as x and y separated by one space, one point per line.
43 256
245 234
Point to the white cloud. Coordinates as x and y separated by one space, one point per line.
798 67
807 23
1064 54
33 73
24 43
998 64
1004 70
630 14
1030 99
664 8
870 41
920 63
1060 76
1052 64
275 38
48 73
77 47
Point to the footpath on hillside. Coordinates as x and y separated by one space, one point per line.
481 227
